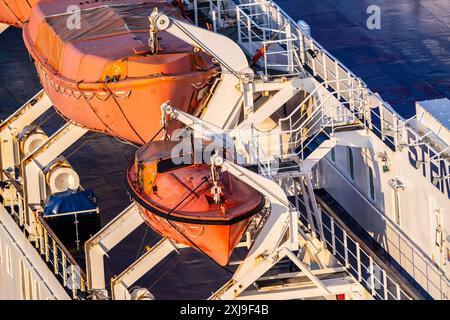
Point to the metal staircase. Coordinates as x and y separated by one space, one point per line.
293 145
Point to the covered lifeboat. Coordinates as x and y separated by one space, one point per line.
179 201
100 71
15 12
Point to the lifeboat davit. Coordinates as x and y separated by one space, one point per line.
100 73
15 12
177 201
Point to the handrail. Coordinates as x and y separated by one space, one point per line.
384 107
72 276
294 63
376 280
316 117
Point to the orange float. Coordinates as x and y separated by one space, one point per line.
178 201
15 12
100 72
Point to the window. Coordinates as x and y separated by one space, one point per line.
397 206
351 164
371 184
333 155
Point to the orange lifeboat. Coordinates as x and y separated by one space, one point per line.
178 201
15 12
101 72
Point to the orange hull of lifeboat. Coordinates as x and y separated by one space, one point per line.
166 201
15 12
103 76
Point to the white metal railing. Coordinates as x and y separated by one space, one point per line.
381 118
358 262
298 130
63 264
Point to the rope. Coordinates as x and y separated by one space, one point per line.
120 140
93 110
142 243
12 12
81 146
157 134
40 124
152 282
205 179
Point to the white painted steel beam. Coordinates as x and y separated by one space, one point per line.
290 89
318 154
225 104
3 27
308 290
121 284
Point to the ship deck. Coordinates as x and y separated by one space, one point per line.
407 60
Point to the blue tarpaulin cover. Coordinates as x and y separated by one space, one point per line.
70 201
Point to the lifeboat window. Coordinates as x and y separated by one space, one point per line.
170 164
